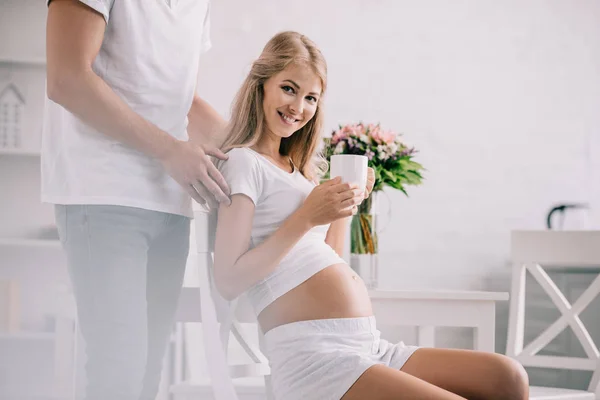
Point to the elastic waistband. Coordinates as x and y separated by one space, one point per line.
328 326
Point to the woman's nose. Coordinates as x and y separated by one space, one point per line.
296 107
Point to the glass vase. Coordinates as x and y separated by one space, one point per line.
364 257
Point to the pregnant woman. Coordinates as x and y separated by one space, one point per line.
280 241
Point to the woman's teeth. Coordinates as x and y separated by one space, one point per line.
287 119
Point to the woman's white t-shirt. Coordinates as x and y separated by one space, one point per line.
276 194
149 57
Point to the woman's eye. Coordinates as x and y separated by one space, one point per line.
288 89
312 99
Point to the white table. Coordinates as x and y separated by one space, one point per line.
427 309
424 309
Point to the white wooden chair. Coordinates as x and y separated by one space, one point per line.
205 305
533 251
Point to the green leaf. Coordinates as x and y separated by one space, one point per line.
412 178
399 186
410 165
417 173
391 176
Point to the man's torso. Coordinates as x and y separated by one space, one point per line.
149 57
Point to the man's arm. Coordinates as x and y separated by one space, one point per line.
206 126
74 35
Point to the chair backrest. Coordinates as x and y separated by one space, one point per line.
534 252
215 309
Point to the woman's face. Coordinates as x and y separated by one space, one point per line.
290 99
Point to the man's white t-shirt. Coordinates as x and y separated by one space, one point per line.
149 57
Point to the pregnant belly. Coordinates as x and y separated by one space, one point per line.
334 292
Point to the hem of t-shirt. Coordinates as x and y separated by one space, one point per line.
244 191
95 5
118 201
274 295
98 6
206 47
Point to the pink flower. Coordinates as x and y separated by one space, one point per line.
337 136
389 137
364 133
382 137
350 130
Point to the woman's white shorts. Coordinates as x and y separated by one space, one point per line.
321 359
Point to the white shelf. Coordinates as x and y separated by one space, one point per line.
27 336
19 152
37 62
35 396
21 242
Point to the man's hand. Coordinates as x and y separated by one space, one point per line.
190 166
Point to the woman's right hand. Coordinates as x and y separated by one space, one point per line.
330 201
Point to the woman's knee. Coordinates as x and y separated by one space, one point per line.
512 381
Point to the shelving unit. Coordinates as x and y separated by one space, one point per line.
30 255
40 396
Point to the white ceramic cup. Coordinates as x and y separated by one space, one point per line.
351 167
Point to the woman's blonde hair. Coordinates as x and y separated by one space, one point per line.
247 116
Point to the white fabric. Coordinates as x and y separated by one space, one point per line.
321 359
149 57
276 195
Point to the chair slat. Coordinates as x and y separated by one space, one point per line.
228 316
188 310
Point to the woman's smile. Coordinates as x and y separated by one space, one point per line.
286 119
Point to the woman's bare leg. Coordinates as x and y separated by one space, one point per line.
383 383
472 374
445 374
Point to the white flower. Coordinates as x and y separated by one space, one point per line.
364 138
339 148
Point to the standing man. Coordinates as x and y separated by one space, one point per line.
118 165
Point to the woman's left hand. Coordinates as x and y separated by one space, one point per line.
370 181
